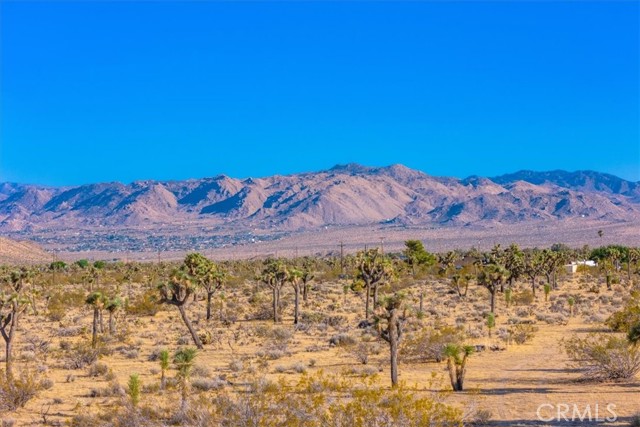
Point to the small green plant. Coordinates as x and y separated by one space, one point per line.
491 322
164 367
134 389
571 301
547 291
507 296
184 359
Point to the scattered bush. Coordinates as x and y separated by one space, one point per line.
603 357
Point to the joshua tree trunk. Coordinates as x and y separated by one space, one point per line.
493 301
275 305
184 405
393 347
296 305
112 323
452 374
367 291
533 286
101 322
94 332
375 297
305 292
10 321
209 296
192 331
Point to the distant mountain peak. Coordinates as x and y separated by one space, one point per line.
351 168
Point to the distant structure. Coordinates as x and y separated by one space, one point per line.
573 267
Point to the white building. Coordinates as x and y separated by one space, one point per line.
573 267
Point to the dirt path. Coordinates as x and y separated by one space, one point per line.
515 383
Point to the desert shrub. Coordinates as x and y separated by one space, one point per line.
360 404
363 350
236 365
603 357
15 393
207 384
80 355
145 304
623 320
482 417
524 297
97 369
342 340
522 332
71 331
428 345
60 302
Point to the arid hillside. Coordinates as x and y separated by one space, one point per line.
17 252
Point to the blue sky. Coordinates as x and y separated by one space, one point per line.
119 90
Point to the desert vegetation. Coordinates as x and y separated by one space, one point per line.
408 338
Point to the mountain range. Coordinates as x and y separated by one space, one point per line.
344 195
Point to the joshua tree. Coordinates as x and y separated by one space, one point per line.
492 277
392 329
533 267
372 269
97 301
112 306
13 303
295 278
458 282
177 291
164 367
275 274
448 262
457 356
307 277
209 275
184 359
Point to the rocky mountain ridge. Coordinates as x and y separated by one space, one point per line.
350 194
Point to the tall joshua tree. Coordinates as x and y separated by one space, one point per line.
533 267
633 256
112 306
373 269
492 277
212 277
275 274
390 312
295 278
97 301
13 302
177 292
457 356
307 277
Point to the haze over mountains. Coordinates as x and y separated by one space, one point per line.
343 195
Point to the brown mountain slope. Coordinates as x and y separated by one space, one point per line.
17 252
344 195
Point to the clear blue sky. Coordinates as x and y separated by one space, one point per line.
118 90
